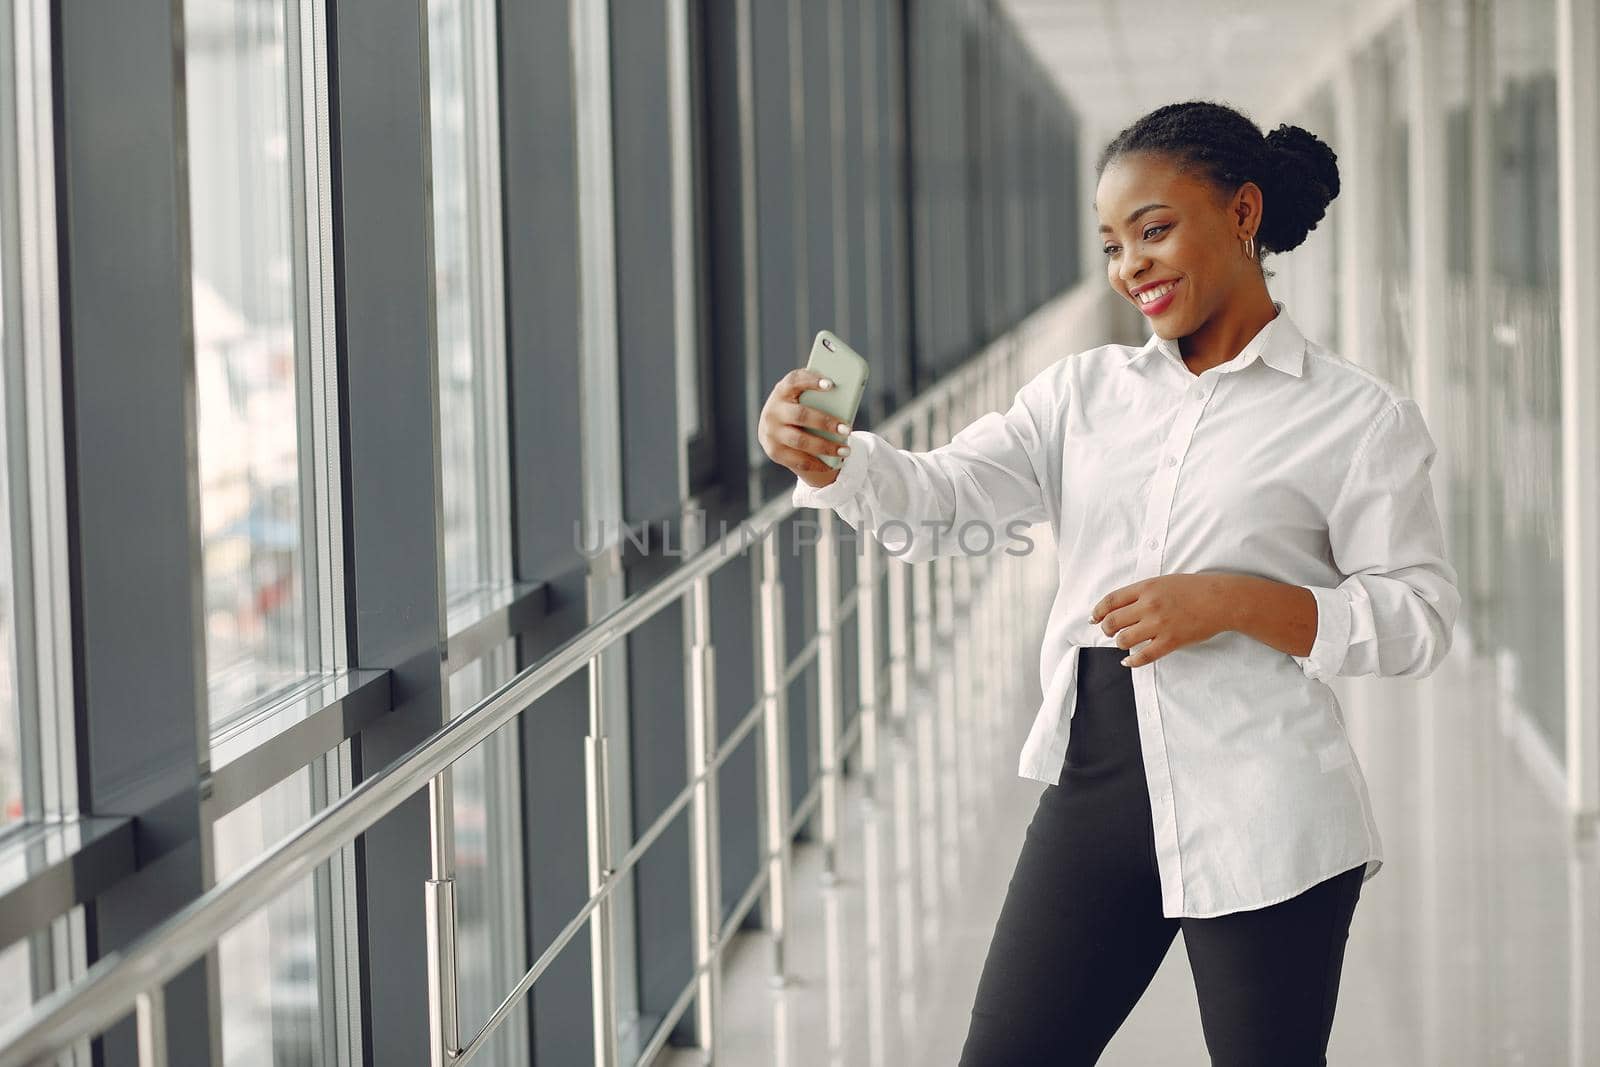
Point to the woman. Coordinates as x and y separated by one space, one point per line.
1239 514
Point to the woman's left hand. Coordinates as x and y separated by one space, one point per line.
1163 613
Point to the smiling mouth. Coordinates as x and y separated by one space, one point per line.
1146 297
1156 299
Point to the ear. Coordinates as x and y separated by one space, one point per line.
1247 206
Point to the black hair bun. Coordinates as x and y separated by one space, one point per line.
1303 179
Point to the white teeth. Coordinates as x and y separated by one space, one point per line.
1156 294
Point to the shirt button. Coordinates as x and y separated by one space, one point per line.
1197 392
1172 461
1151 544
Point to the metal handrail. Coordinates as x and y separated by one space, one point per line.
133 979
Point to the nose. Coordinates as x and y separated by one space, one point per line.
1132 268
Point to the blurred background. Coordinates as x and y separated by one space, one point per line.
359 357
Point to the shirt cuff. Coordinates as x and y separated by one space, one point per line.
851 478
1333 633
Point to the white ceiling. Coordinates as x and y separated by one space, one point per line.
1116 59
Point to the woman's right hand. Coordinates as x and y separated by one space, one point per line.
779 429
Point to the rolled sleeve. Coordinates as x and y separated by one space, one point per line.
1333 633
962 498
845 485
1394 613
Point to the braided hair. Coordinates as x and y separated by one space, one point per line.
1297 172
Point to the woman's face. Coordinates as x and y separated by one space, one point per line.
1161 228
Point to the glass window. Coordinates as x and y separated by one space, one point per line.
287 972
258 301
490 939
468 288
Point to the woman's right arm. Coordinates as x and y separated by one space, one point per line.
967 497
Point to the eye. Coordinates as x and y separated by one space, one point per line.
1156 229
1109 249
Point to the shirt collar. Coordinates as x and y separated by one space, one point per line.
1279 343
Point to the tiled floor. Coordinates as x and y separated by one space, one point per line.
1477 944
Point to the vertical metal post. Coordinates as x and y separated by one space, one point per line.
440 895
921 578
596 783
899 642
870 676
775 731
966 708
705 870
150 1013
922 720
941 678
828 655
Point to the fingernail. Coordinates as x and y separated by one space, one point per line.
844 428
1125 660
844 451
826 383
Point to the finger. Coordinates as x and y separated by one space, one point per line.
1146 653
798 461
1135 634
800 379
799 439
795 414
1111 601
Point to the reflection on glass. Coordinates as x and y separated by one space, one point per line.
1523 365
1396 338
1307 279
465 253
284 970
240 189
1456 424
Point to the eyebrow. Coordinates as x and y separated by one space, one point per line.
1131 218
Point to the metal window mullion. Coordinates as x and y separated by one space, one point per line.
685 226
488 293
14 421
52 631
315 337
302 206
802 166
839 161
873 155
750 249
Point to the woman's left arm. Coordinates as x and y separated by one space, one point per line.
1395 613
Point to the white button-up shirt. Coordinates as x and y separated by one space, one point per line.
1288 462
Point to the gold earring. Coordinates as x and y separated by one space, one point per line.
1250 247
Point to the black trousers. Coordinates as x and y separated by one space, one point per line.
1081 932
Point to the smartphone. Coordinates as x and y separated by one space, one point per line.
832 358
